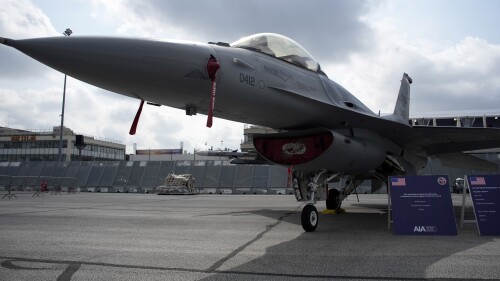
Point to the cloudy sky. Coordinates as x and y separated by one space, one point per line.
451 49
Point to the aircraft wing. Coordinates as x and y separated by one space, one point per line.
441 140
466 161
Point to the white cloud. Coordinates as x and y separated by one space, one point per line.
461 75
21 19
135 19
329 29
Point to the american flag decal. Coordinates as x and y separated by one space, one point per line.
398 181
477 181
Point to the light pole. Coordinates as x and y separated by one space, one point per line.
67 32
221 142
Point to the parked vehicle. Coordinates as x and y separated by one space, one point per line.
459 186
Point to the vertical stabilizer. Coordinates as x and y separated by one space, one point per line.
402 109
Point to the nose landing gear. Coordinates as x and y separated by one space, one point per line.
309 218
310 187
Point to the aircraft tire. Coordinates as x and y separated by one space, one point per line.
309 218
332 200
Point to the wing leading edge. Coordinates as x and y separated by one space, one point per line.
441 140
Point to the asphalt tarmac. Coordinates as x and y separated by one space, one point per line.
92 236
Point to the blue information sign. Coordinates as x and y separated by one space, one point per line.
422 205
485 193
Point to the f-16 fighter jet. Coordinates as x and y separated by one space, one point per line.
324 132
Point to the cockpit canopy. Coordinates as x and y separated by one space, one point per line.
280 47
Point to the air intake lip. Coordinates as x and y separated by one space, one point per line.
293 150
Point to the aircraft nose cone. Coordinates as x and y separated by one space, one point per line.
170 73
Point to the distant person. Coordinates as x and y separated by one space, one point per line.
44 186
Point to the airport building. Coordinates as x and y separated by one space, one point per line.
43 145
460 118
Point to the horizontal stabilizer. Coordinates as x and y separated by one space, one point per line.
466 161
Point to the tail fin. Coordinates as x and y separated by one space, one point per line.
402 109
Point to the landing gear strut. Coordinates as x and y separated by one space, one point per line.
310 187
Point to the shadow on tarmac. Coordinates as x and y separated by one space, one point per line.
355 245
359 246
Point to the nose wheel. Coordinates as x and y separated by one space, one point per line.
309 218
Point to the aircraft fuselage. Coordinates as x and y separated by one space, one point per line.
252 87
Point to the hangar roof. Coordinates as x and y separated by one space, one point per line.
456 113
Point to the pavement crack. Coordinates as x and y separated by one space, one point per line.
68 273
10 265
74 266
269 227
